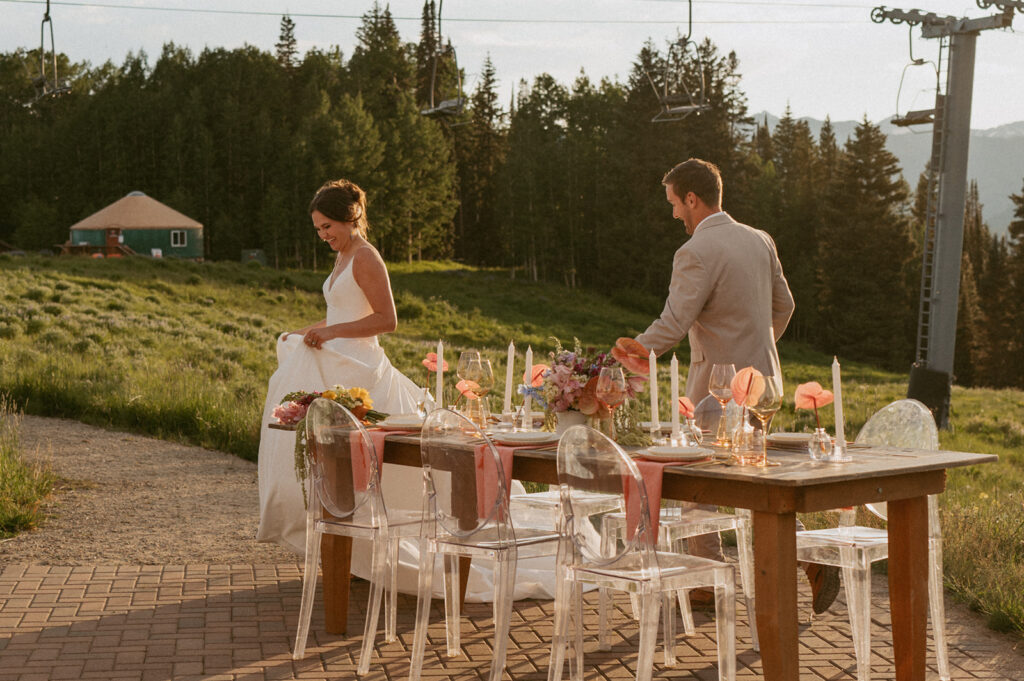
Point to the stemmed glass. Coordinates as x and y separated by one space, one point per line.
720 388
465 359
764 407
611 390
480 375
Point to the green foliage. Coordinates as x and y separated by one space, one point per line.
23 485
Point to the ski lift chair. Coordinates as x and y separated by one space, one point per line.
44 86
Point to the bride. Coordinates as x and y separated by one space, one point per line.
343 349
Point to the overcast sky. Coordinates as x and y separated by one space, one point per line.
819 57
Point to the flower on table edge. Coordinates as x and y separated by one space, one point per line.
811 395
430 361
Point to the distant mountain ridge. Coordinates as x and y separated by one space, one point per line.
995 159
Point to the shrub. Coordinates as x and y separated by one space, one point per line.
36 294
51 308
22 485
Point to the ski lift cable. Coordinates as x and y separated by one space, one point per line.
471 20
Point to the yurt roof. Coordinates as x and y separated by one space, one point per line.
137 211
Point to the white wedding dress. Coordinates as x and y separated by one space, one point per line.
358 362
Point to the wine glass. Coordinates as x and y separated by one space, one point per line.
480 375
764 400
611 390
720 388
467 357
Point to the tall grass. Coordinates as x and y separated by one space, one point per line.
23 485
183 351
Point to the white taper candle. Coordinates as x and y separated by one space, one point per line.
506 408
652 365
527 414
674 408
438 396
837 392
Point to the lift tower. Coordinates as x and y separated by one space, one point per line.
931 374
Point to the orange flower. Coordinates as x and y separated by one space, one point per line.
430 361
812 395
632 355
537 377
747 386
588 402
469 389
686 407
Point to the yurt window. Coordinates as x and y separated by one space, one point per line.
178 238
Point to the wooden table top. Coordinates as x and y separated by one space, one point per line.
798 484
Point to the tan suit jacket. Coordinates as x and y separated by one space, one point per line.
728 293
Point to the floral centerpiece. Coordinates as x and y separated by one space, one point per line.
569 382
293 408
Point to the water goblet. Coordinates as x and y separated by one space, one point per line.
611 391
720 388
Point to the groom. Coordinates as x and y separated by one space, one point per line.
729 295
727 292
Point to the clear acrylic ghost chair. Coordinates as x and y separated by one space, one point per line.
466 514
677 524
588 462
345 499
904 423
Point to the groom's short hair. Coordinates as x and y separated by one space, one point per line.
697 176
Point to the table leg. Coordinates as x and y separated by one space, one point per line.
775 586
908 585
336 561
465 563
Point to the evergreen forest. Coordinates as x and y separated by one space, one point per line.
559 183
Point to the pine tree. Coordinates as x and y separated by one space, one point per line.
482 154
864 248
287 52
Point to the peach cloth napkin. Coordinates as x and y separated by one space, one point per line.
652 473
361 457
487 475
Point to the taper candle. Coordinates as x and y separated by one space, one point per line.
438 396
652 364
506 408
675 399
837 392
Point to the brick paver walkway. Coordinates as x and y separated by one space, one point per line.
237 622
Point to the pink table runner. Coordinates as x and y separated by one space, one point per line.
361 457
652 473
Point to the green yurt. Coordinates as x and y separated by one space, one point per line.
139 224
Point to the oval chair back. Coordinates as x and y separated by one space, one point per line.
466 490
590 462
903 423
342 464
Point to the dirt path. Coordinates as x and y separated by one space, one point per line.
135 500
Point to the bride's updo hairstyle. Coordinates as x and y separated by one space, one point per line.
343 201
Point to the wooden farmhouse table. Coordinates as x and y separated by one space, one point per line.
902 477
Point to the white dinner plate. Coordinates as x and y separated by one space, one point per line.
401 422
524 438
676 453
789 438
